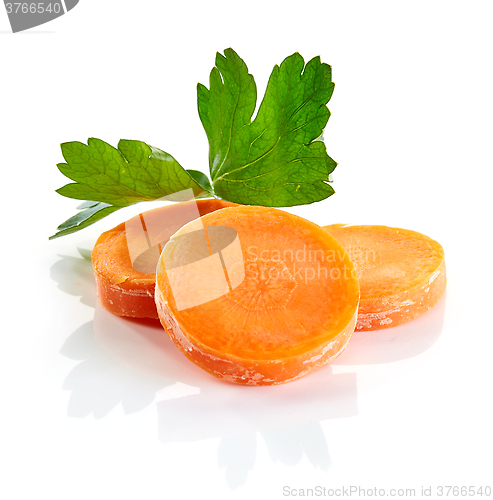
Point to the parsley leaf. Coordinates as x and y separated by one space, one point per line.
121 177
115 178
91 213
279 159
276 160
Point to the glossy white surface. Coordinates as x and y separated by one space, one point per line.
94 406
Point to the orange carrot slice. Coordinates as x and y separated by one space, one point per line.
401 272
256 296
126 286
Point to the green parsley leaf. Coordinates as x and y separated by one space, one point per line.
276 160
121 177
202 180
116 178
279 159
91 213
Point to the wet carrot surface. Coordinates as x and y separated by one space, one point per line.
256 296
124 259
401 272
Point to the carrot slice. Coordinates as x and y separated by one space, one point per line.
256 296
401 273
126 286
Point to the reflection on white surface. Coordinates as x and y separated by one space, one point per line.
133 363
74 276
237 454
99 383
227 410
310 440
397 343
286 417
103 379
237 466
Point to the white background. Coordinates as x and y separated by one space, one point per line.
97 407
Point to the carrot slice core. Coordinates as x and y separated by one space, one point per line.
401 272
265 298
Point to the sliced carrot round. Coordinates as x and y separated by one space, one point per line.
401 272
256 296
125 257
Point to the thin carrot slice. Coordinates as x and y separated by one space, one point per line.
256 296
401 273
126 286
